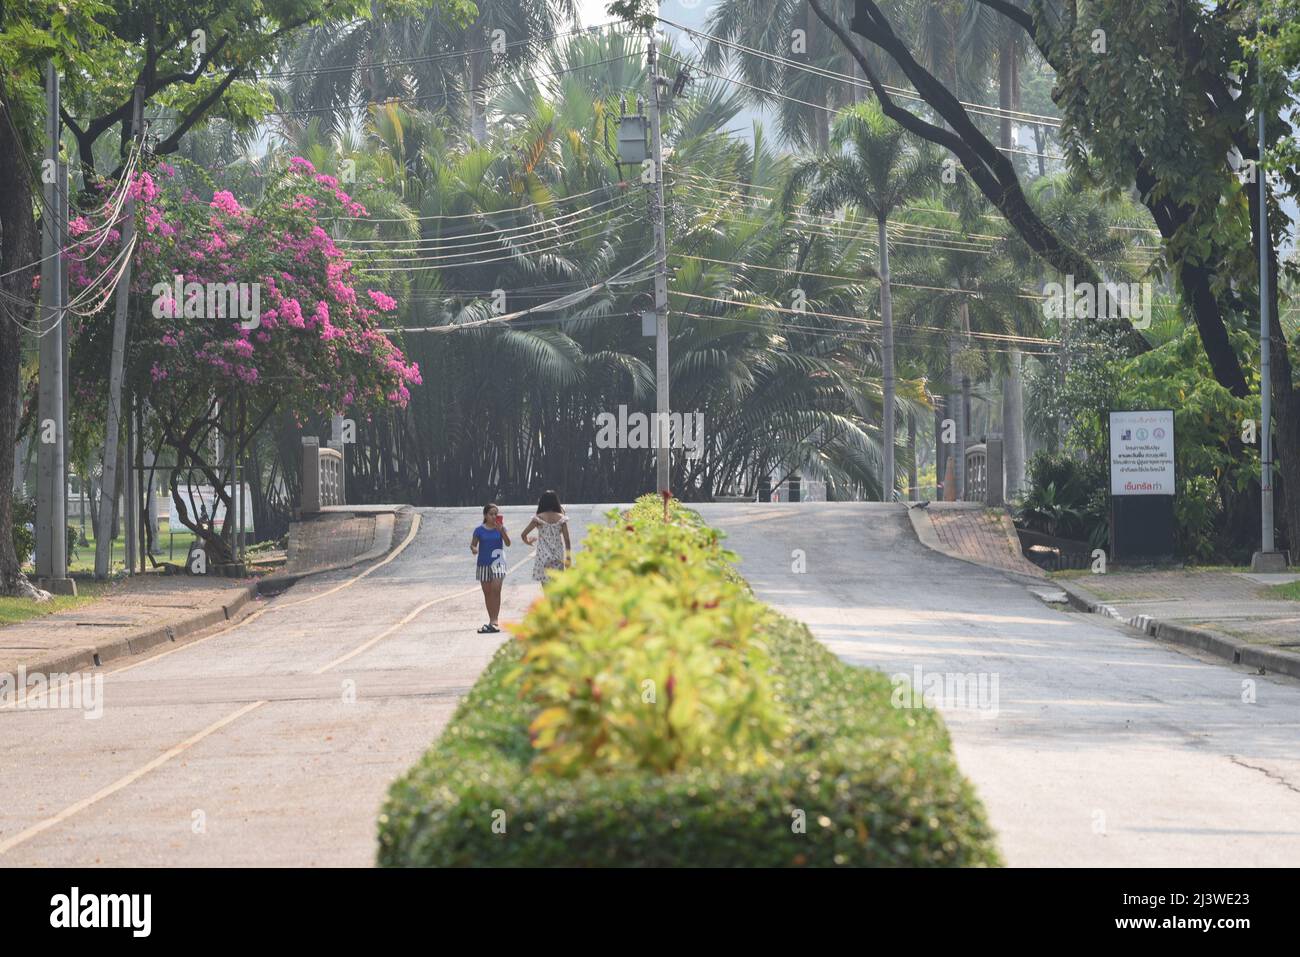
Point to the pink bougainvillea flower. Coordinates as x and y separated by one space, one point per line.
385 302
142 188
225 201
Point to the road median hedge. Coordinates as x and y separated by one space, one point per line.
651 712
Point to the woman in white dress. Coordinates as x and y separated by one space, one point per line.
552 536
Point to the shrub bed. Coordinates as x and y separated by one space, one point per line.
652 713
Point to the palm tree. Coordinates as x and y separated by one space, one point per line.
785 31
433 59
875 166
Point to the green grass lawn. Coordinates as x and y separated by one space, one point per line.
1068 573
14 610
1290 591
83 558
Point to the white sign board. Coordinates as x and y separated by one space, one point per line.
206 502
1142 453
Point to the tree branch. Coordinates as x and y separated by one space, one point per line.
988 168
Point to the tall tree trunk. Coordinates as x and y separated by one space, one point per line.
17 246
477 79
940 449
821 118
888 473
956 412
92 502
1013 402
1013 424
1286 435
21 452
913 494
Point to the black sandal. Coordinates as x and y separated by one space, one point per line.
489 629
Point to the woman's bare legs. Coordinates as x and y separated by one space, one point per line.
492 596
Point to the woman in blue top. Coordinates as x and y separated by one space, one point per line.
489 543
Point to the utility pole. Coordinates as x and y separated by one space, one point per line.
51 487
664 458
957 412
888 481
108 495
64 299
1267 559
129 497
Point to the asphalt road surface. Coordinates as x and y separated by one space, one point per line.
274 741
1104 747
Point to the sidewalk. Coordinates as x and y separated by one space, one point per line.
144 611
972 533
136 615
1231 614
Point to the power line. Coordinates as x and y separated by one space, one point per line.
818 106
977 293
1035 119
562 302
926 209
434 244
482 262
483 213
991 336
903 331
695 182
837 232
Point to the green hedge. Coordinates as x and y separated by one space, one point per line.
872 785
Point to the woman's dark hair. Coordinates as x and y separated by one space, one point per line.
549 502
488 507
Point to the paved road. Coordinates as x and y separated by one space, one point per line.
1105 748
272 743
250 748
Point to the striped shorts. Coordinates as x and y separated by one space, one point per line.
489 573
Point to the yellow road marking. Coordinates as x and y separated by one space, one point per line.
126 780
247 619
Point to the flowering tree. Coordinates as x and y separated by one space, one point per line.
237 313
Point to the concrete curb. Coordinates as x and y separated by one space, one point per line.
87 657
928 537
386 525
1234 650
134 642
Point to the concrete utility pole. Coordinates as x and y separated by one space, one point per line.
888 481
51 485
108 495
130 526
64 299
1267 559
664 458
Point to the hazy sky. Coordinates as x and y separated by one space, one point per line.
593 11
